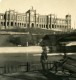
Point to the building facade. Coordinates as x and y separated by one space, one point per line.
30 19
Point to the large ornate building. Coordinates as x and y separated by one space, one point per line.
12 19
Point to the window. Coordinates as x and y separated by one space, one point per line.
23 18
32 18
27 25
60 26
1 17
65 27
32 13
4 23
55 26
40 19
24 25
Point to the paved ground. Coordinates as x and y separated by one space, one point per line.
23 76
32 76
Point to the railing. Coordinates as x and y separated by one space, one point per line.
23 67
35 66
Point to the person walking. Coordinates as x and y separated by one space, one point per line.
44 58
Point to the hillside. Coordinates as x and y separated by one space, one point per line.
30 35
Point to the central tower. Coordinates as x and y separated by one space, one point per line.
31 18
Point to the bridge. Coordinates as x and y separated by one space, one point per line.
57 42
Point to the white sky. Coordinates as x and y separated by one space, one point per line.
58 7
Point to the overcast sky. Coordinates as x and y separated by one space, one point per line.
58 7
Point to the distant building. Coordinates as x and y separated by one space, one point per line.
12 19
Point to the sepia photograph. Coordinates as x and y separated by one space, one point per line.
37 40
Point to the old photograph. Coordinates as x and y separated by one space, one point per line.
37 40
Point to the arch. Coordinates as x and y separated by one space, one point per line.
28 25
18 24
44 25
52 26
32 25
49 26
37 25
55 26
2 23
15 23
7 23
40 25
24 25
11 23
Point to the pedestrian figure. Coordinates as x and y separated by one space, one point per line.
44 58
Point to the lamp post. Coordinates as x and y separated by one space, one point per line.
64 48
